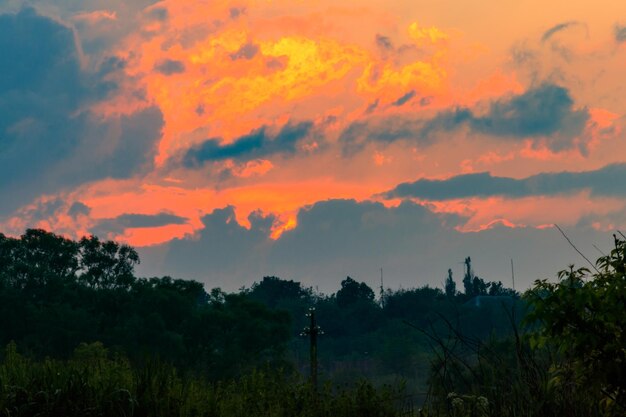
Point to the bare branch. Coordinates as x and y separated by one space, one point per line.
575 248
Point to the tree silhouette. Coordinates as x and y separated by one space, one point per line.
352 291
450 285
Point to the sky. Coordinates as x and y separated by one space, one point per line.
314 140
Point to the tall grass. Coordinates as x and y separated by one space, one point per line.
93 383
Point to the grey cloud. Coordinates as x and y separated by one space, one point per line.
48 141
404 99
348 227
79 209
391 129
247 51
558 28
522 54
157 13
275 64
607 181
235 12
169 67
222 248
384 42
540 111
546 111
425 101
370 108
117 225
620 33
330 232
257 144
337 238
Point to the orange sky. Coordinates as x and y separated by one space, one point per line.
363 79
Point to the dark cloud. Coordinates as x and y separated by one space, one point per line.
558 28
370 108
425 101
384 42
336 238
257 144
404 99
169 67
620 33
522 55
218 249
541 111
157 13
545 112
48 138
388 130
117 225
329 233
247 51
357 229
607 181
275 64
79 209
235 12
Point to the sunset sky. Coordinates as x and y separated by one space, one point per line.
313 140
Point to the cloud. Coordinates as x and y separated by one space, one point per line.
609 181
620 33
78 209
247 51
223 247
336 238
558 28
384 42
257 144
541 111
545 113
169 67
391 129
49 139
235 12
404 99
157 13
119 224
329 232
356 230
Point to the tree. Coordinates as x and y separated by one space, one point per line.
39 259
273 292
450 286
352 291
583 315
474 285
107 264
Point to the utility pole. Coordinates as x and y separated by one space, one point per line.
313 330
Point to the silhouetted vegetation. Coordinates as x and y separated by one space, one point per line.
94 339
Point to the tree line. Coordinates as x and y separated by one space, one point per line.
557 349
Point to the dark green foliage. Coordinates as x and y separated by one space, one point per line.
568 360
450 285
93 383
194 353
352 292
106 265
56 293
275 292
583 317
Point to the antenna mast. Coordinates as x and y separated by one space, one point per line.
512 274
382 290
